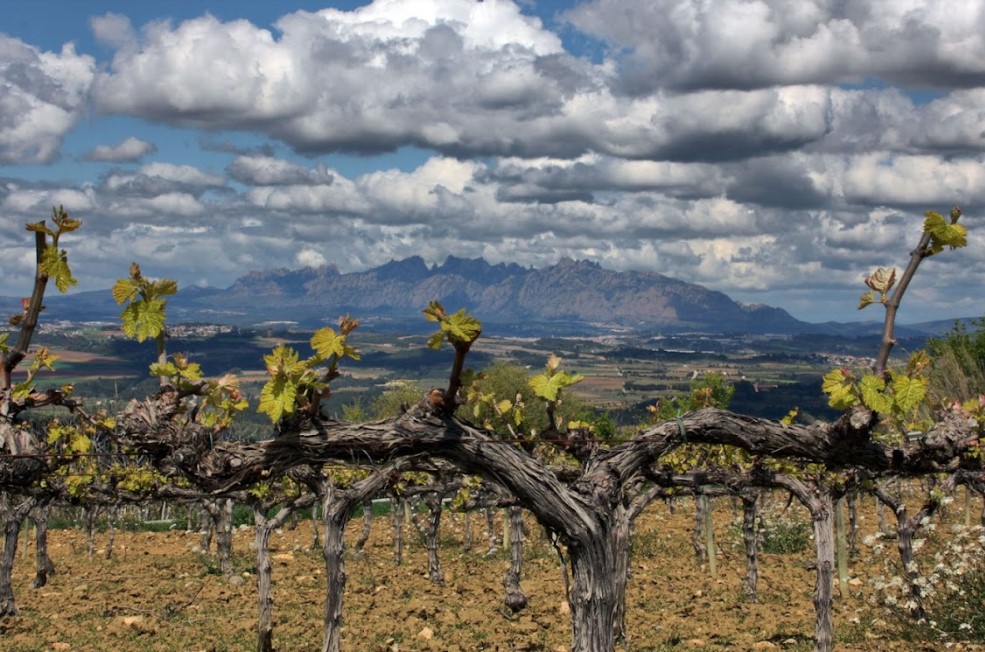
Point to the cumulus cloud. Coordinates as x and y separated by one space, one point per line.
270 171
760 43
154 179
35 203
131 149
309 258
41 97
755 146
435 74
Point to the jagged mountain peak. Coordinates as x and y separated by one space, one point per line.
478 270
569 296
281 281
575 291
408 269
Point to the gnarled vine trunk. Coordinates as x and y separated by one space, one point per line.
13 514
221 513
819 500
492 541
44 566
698 531
262 529
622 549
338 505
750 538
592 598
433 502
515 598
824 547
90 515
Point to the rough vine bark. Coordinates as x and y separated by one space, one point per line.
44 566
220 511
338 505
466 531
515 598
820 502
491 541
435 509
13 513
90 514
579 510
750 539
262 529
852 501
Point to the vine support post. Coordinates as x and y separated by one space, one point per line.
709 534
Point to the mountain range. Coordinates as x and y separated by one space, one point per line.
570 297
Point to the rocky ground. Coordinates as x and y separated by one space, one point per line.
158 592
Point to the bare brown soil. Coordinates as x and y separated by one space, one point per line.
157 593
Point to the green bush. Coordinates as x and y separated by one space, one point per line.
785 537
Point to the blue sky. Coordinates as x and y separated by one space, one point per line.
777 152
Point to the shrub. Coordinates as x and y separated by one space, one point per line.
785 537
952 590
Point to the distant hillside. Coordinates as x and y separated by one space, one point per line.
571 297
570 294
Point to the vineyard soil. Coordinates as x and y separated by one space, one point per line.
158 593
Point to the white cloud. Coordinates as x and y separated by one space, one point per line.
41 97
751 145
183 174
36 203
114 30
366 80
131 149
759 43
915 180
309 258
269 171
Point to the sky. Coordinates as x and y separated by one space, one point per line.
775 150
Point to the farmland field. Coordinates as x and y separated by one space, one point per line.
158 592
621 374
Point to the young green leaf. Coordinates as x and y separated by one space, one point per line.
163 369
908 393
873 390
277 398
944 234
866 299
547 387
143 319
64 223
460 328
124 290
54 265
838 384
327 343
39 227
